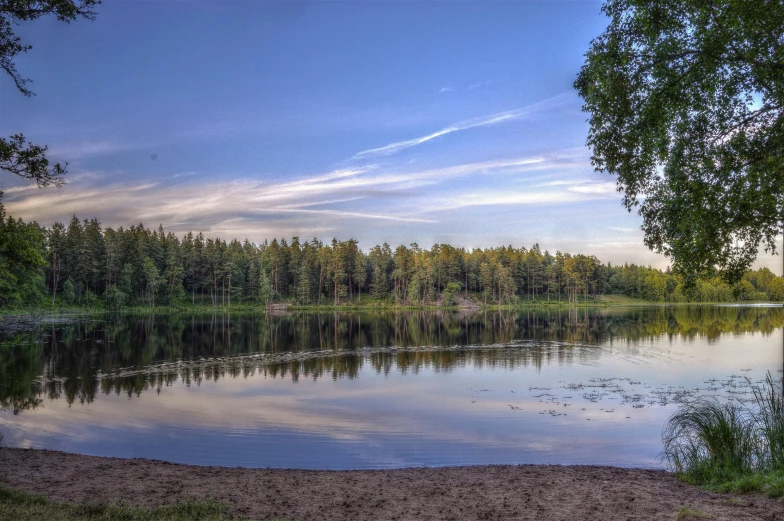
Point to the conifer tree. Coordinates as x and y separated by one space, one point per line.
266 292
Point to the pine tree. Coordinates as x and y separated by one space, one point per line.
152 280
304 283
360 273
266 292
379 286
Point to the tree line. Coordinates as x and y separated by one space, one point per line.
83 264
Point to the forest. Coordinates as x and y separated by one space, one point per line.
83 264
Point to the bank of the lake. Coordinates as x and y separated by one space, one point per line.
525 492
605 301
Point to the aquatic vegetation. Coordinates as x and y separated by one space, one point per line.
730 446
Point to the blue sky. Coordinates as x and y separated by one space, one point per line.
383 121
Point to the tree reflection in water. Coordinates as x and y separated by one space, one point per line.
130 354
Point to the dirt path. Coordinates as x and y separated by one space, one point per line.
530 492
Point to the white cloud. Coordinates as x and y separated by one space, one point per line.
183 174
498 198
361 215
492 119
483 83
308 204
595 188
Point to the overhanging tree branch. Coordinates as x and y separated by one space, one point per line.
18 156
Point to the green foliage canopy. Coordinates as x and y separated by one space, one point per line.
21 260
686 104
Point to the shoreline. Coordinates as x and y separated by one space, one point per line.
76 312
519 492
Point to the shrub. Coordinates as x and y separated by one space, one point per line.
114 299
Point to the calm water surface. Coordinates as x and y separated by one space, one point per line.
363 390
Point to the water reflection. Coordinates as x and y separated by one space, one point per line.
370 390
132 354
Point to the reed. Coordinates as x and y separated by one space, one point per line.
768 417
730 447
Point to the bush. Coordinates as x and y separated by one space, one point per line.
114 299
90 298
450 293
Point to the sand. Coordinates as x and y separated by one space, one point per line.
524 492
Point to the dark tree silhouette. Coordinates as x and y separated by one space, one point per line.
17 155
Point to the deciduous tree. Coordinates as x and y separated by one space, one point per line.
686 104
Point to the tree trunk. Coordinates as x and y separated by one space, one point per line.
56 276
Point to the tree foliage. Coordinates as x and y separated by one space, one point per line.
17 155
21 261
151 267
686 104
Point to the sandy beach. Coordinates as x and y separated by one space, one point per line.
525 492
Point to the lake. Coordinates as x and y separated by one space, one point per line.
380 390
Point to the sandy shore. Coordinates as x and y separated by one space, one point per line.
528 492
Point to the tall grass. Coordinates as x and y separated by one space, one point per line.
730 446
768 417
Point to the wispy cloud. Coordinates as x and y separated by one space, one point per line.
206 204
183 174
361 215
622 229
605 188
320 201
480 84
499 198
492 119
80 150
446 89
535 195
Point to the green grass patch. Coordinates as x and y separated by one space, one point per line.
15 505
769 483
623 300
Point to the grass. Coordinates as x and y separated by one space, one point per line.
769 483
691 514
623 300
730 447
15 505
